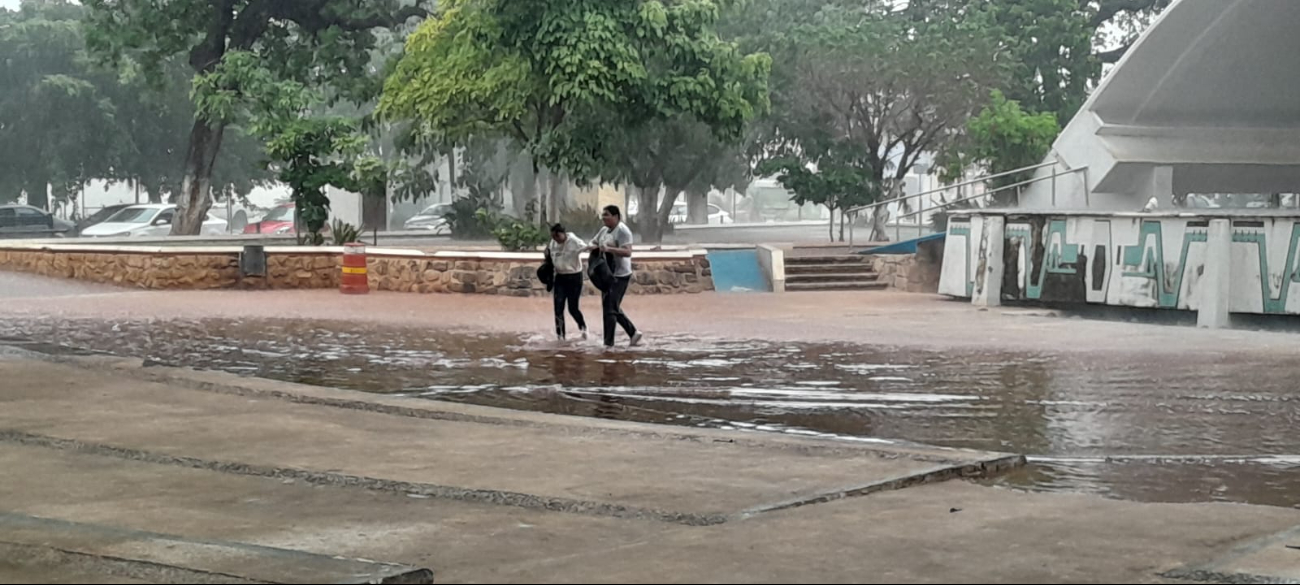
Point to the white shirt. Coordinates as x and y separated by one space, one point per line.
567 257
620 237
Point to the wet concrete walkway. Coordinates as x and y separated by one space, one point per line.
486 495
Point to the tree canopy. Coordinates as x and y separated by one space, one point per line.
241 52
565 78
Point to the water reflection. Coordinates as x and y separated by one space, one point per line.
1091 422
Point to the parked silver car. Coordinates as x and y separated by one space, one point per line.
432 219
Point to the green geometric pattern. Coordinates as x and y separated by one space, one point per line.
1055 260
1273 305
1143 262
1145 259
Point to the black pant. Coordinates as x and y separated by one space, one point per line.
568 288
612 301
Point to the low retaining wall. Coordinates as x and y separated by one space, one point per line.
771 260
1215 262
913 273
195 268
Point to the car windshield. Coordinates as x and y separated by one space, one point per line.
436 210
284 213
133 215
103 214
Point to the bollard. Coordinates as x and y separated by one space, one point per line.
252 261
355 280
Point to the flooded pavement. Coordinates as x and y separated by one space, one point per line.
1140 427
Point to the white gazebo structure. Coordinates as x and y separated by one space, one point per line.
1206 101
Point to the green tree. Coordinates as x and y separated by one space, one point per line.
663 159
564 78
867 91
1001 139
324 43
834 174
1060 47
59 127
156 114
311 154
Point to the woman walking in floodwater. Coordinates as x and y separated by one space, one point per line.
615 239
565 253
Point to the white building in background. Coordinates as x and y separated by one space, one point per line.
1204 103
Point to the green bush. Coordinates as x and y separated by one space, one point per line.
344 233
514 235
583 222
464 221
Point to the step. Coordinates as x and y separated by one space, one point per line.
47 548
807 269
831 277
830 286
839 259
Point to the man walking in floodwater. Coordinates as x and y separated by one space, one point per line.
615 239
565 253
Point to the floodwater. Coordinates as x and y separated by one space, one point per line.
1141 428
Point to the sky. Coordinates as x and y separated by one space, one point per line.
11 4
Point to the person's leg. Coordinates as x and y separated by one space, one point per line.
574 295
609 308
557 293
621 289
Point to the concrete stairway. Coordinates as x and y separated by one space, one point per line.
831 272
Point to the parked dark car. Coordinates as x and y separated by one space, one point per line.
23 221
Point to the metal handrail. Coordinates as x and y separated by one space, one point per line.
947 204
855 210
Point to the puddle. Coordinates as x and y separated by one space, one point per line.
1162 429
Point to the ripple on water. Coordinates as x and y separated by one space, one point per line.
1135 428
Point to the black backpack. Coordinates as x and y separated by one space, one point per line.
546 273
600 270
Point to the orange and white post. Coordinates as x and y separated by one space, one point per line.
355 281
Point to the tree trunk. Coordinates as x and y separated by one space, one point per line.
830 226
697 208
38 194
543 208
374 212
647 215
842 216
196 186
880 224
559 196
523 186
451 171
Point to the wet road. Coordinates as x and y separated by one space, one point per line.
1144 427
16 285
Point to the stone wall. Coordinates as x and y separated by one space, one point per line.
296 268
141 270
518 277
913 273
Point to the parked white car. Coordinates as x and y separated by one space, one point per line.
716 215
148 220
